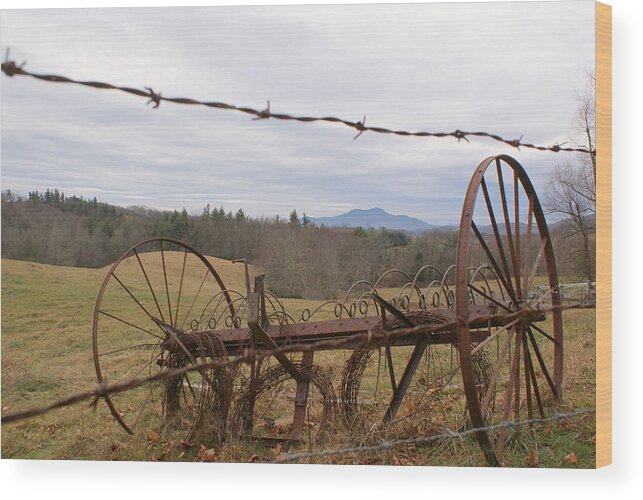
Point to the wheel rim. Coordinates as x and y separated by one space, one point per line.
506 226
164 279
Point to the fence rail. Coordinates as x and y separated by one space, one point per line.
583 293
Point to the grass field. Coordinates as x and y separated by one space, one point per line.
47 354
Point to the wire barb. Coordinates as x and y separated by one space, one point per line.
459 134
361 126
265 114
9 67
154 98
516 143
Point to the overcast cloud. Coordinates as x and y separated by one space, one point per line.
509 68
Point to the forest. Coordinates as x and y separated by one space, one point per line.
301 260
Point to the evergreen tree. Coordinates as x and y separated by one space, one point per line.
294 218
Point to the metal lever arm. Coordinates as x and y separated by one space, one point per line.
254 322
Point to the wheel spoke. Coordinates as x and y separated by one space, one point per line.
530 412
541 362
205 276
187 380
517 233
139 414
530 367
391 368
501 250
167 289
178 298
131 295
492 261
517 377
144 367
126 349
149 285
496 371
510 241
544 333
494 335
534 269
130 324
530 213
489 298
511 389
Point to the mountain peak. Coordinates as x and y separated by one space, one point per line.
372 211
376 218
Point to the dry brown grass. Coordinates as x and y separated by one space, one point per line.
46 354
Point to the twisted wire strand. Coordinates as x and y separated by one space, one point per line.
10 68
388 444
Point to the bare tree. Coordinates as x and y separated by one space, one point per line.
572 191
586 120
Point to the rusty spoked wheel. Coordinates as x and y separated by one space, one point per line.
503 226
271 398
160 289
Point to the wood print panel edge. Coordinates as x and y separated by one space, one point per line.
603 235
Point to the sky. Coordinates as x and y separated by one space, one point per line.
510 68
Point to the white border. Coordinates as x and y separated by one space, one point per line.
98 480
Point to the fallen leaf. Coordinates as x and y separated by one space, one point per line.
114 446
253 459
152 436
207 454
534 458
572 459
49 429
276 450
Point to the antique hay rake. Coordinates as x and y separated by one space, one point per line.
491 353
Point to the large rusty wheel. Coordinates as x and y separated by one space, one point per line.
503 226
161 282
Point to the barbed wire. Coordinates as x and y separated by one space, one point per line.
10 68
251 355
388 444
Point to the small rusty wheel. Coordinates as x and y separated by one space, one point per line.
433 402
158 281
271 399
503 226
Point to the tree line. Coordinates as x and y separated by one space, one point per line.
299 258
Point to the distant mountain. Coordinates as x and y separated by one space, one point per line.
375 218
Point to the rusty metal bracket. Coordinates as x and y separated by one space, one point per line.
254 322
